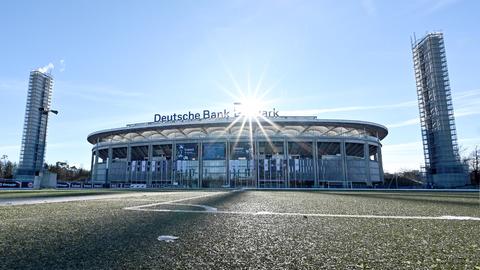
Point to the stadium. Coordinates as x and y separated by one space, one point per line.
269 151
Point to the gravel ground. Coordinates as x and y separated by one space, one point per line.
101 234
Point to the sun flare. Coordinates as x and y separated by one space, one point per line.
249 107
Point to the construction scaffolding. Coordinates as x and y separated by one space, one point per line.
443 166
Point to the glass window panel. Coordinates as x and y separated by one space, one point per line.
162 151
300 164
102 155
373 152
354 150
214 165
241 166
139 152
187 165
119 153
328 149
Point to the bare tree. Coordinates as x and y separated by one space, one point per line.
462 152
3 164
474 165
66 172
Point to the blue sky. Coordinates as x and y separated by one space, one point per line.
120 62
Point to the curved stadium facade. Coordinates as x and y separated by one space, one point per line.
275 152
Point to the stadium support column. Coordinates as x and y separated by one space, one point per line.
174 162
109 164
200 164
255 173
92 159
344 162
254 157
256 161
366 156
315 163
227 158
129 161
148 168
286 155
95 168
380 162
95 164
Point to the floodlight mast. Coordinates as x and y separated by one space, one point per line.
44 111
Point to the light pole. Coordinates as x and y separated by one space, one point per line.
44 111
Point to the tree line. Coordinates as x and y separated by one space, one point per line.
68 173
64 171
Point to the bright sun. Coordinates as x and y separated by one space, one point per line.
250 102
249 107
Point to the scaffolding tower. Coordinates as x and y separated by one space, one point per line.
32 154
443 166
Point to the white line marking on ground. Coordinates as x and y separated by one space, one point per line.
459 218
70 198
213 210
266 213
140 207
205 207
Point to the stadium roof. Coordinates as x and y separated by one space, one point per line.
294 125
